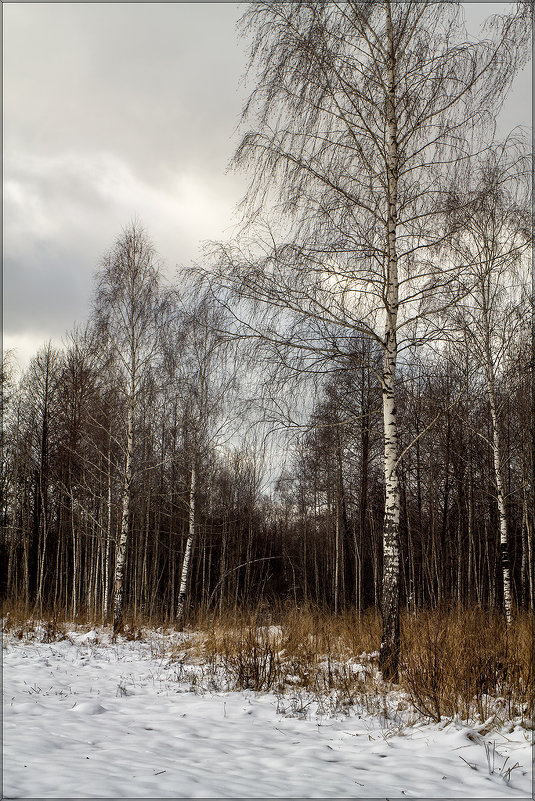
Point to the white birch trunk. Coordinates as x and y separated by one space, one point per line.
91 571
118 588
527 553
389 654
187 553
496 452
106 592
39 597
500 494
74 565
390 643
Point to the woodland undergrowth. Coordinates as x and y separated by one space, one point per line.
455 663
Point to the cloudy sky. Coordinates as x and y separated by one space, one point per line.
114 111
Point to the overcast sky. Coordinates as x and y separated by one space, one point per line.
114 111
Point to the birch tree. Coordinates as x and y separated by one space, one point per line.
76 392
358 113
490 227
128 313
202 374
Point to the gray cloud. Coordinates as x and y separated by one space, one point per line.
156 83
116 110
111 111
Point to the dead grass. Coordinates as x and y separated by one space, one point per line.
466 663
307 632
302 655
454 663
45 631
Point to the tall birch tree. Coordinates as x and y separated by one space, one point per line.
202 373
358 112
490 228
128 314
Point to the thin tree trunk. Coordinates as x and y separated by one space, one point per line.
390 643
502 513
118 588
74 563
336 556
363 500
106 590
187 553
39 596
527 551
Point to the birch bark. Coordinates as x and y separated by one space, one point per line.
129 314
106 589
187 552
390 643
118 586
500 493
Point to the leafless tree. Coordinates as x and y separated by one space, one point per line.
490 231
128 314
40 391
360 109
202 376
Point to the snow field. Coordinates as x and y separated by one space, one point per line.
85 718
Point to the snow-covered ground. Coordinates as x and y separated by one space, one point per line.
87 718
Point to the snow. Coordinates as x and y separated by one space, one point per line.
85 718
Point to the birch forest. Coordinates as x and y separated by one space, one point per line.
335 410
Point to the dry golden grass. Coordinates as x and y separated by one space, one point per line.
302 655
466 663
15 620
454 662
307 631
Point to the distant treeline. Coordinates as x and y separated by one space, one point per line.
317 539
